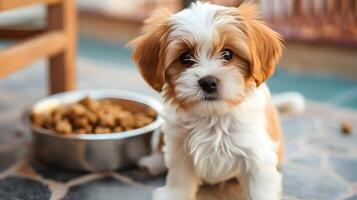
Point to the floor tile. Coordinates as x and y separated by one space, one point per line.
17 188
107 189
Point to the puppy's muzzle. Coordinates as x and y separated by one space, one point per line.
208 84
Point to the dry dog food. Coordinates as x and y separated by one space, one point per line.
346 128
92 116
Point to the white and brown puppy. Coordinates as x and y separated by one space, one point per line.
210 63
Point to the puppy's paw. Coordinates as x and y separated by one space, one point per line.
161 194
166 193
153 163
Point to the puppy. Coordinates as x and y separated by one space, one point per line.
210 64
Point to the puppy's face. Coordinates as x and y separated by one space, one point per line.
206 59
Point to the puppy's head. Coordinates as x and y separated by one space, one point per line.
206 59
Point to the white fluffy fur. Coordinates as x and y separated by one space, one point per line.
220 147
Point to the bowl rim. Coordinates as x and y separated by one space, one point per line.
72 96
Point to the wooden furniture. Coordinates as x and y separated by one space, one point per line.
317 21
56 42
326 21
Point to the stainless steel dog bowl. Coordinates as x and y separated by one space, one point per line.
93 152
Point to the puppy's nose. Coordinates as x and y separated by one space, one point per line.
208 84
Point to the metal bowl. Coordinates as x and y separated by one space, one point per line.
93 152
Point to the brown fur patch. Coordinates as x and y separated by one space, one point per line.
173 71
265 44
274 128
149 49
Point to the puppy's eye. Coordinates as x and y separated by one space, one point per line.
187 58
227 54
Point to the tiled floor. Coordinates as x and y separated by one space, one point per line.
321 163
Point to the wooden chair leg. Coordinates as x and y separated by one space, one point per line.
62 69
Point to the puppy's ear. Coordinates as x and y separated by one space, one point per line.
149 49
265 44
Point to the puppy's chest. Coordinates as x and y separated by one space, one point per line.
215 156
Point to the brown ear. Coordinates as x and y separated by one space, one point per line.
149 48
265 44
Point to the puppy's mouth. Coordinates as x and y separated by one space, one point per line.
210 98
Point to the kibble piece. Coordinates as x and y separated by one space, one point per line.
47 121
102 129
90 103
80 131
37 119
56 116
150 112
86 101
128 128
63 126
92 117
61 111
78 109
126 120
346 128
89 129
142 120
106 119
81 122
118 129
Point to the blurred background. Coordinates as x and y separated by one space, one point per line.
319 59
